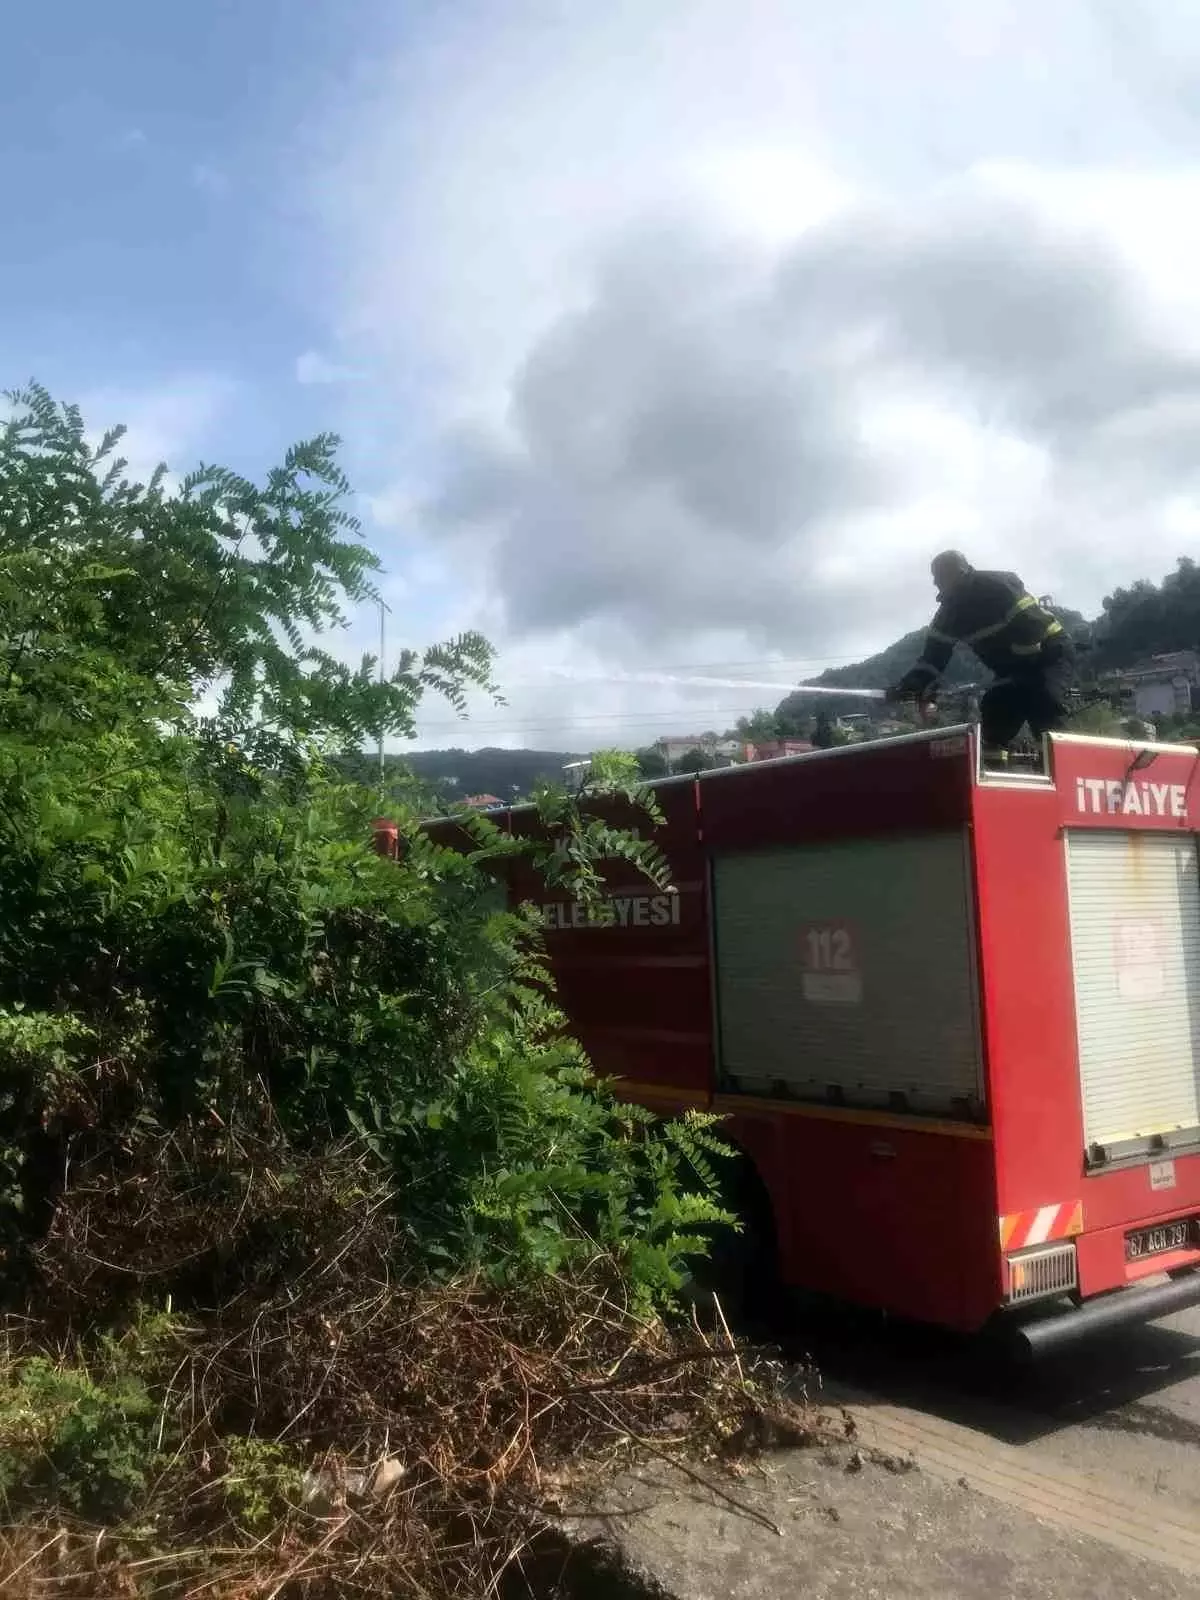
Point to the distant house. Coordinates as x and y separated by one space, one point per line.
1163 686
772 749
720 751
676 747
484 802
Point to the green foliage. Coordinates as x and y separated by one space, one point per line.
695 761
651 762
262 1481
251 1068
1099 719
240 937
827 733
454 775
584 832
1183 728
760 727
72 1439
553 1172
1150 619
37 1055
116 595
191 912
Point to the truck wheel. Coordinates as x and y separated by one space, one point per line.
741 1269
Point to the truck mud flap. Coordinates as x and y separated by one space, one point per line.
1048 1335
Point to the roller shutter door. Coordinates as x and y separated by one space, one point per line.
848 971
1135 945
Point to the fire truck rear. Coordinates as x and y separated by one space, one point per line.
952 1019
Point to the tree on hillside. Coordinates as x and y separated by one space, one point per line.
695 761
759 727
652 761
1102 721
827 734
1149 619
489 770
794 721
439 780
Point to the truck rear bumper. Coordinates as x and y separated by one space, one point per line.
1044 1335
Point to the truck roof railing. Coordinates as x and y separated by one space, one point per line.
841 751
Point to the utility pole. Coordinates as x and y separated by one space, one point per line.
382 646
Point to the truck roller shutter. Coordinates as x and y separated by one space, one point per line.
847 973
1135 946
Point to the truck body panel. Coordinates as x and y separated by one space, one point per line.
1046 1033
634 977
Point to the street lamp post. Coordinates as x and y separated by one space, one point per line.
383 607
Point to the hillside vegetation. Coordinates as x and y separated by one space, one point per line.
447 777
323 1250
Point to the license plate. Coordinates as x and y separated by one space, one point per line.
1156 1241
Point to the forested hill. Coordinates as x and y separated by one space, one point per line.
489 771
459 774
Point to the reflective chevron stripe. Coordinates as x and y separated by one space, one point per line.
1021 1229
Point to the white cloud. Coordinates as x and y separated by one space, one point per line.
169 422
725 317
210 180
313 367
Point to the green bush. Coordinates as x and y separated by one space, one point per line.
70 1439
192 916
315 1106
262 1481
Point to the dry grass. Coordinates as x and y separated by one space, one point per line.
291 1326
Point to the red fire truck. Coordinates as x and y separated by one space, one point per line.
951 1018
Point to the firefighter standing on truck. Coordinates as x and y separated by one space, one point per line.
1015 636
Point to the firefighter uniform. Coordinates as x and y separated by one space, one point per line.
1017 638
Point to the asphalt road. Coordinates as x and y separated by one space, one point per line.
1124 1407
949 1479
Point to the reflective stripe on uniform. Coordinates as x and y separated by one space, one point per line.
1032 649
1023 604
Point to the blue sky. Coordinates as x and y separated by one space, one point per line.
156 223
663 334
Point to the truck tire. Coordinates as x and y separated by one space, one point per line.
741 1269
